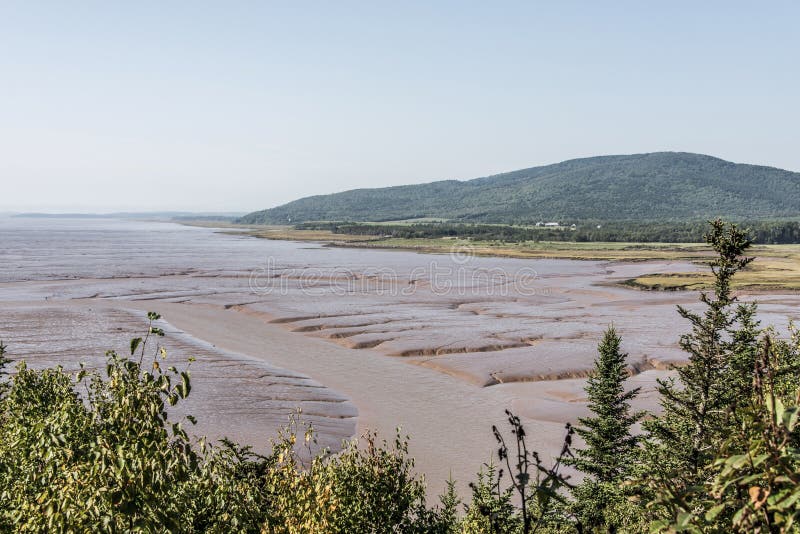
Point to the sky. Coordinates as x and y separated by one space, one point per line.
239 106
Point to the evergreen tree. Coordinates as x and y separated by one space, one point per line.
607 434
721 347
610 447
743 353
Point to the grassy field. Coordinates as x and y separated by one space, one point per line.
545 249
528 249
776 268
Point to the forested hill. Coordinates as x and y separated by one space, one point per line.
661 186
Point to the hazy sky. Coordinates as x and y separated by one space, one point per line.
244 105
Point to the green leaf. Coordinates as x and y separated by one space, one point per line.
737 461
187 385
713 512
779 408
134 344
790 418
737 517
683 520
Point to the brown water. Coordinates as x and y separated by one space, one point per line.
278 325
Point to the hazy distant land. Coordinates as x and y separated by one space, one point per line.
135 215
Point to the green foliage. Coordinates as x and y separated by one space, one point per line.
491 508
109 460
367 487
751 483
665 186
538 486
611 449
445 519
606 507
722 455
695 406
762 484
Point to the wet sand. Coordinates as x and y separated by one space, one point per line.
359 339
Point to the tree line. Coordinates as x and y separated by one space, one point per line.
761 232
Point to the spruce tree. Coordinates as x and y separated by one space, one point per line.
744 351
696 406
600 502
607 433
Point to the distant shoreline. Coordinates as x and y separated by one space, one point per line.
145 215
777 267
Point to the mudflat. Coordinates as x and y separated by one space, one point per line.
439 344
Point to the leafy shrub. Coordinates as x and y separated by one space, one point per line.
108 460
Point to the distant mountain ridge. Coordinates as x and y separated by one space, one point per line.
659 186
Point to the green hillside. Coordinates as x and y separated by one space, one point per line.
661 186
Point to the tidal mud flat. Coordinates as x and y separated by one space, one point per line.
277 325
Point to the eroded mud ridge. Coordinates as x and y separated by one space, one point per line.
545 331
